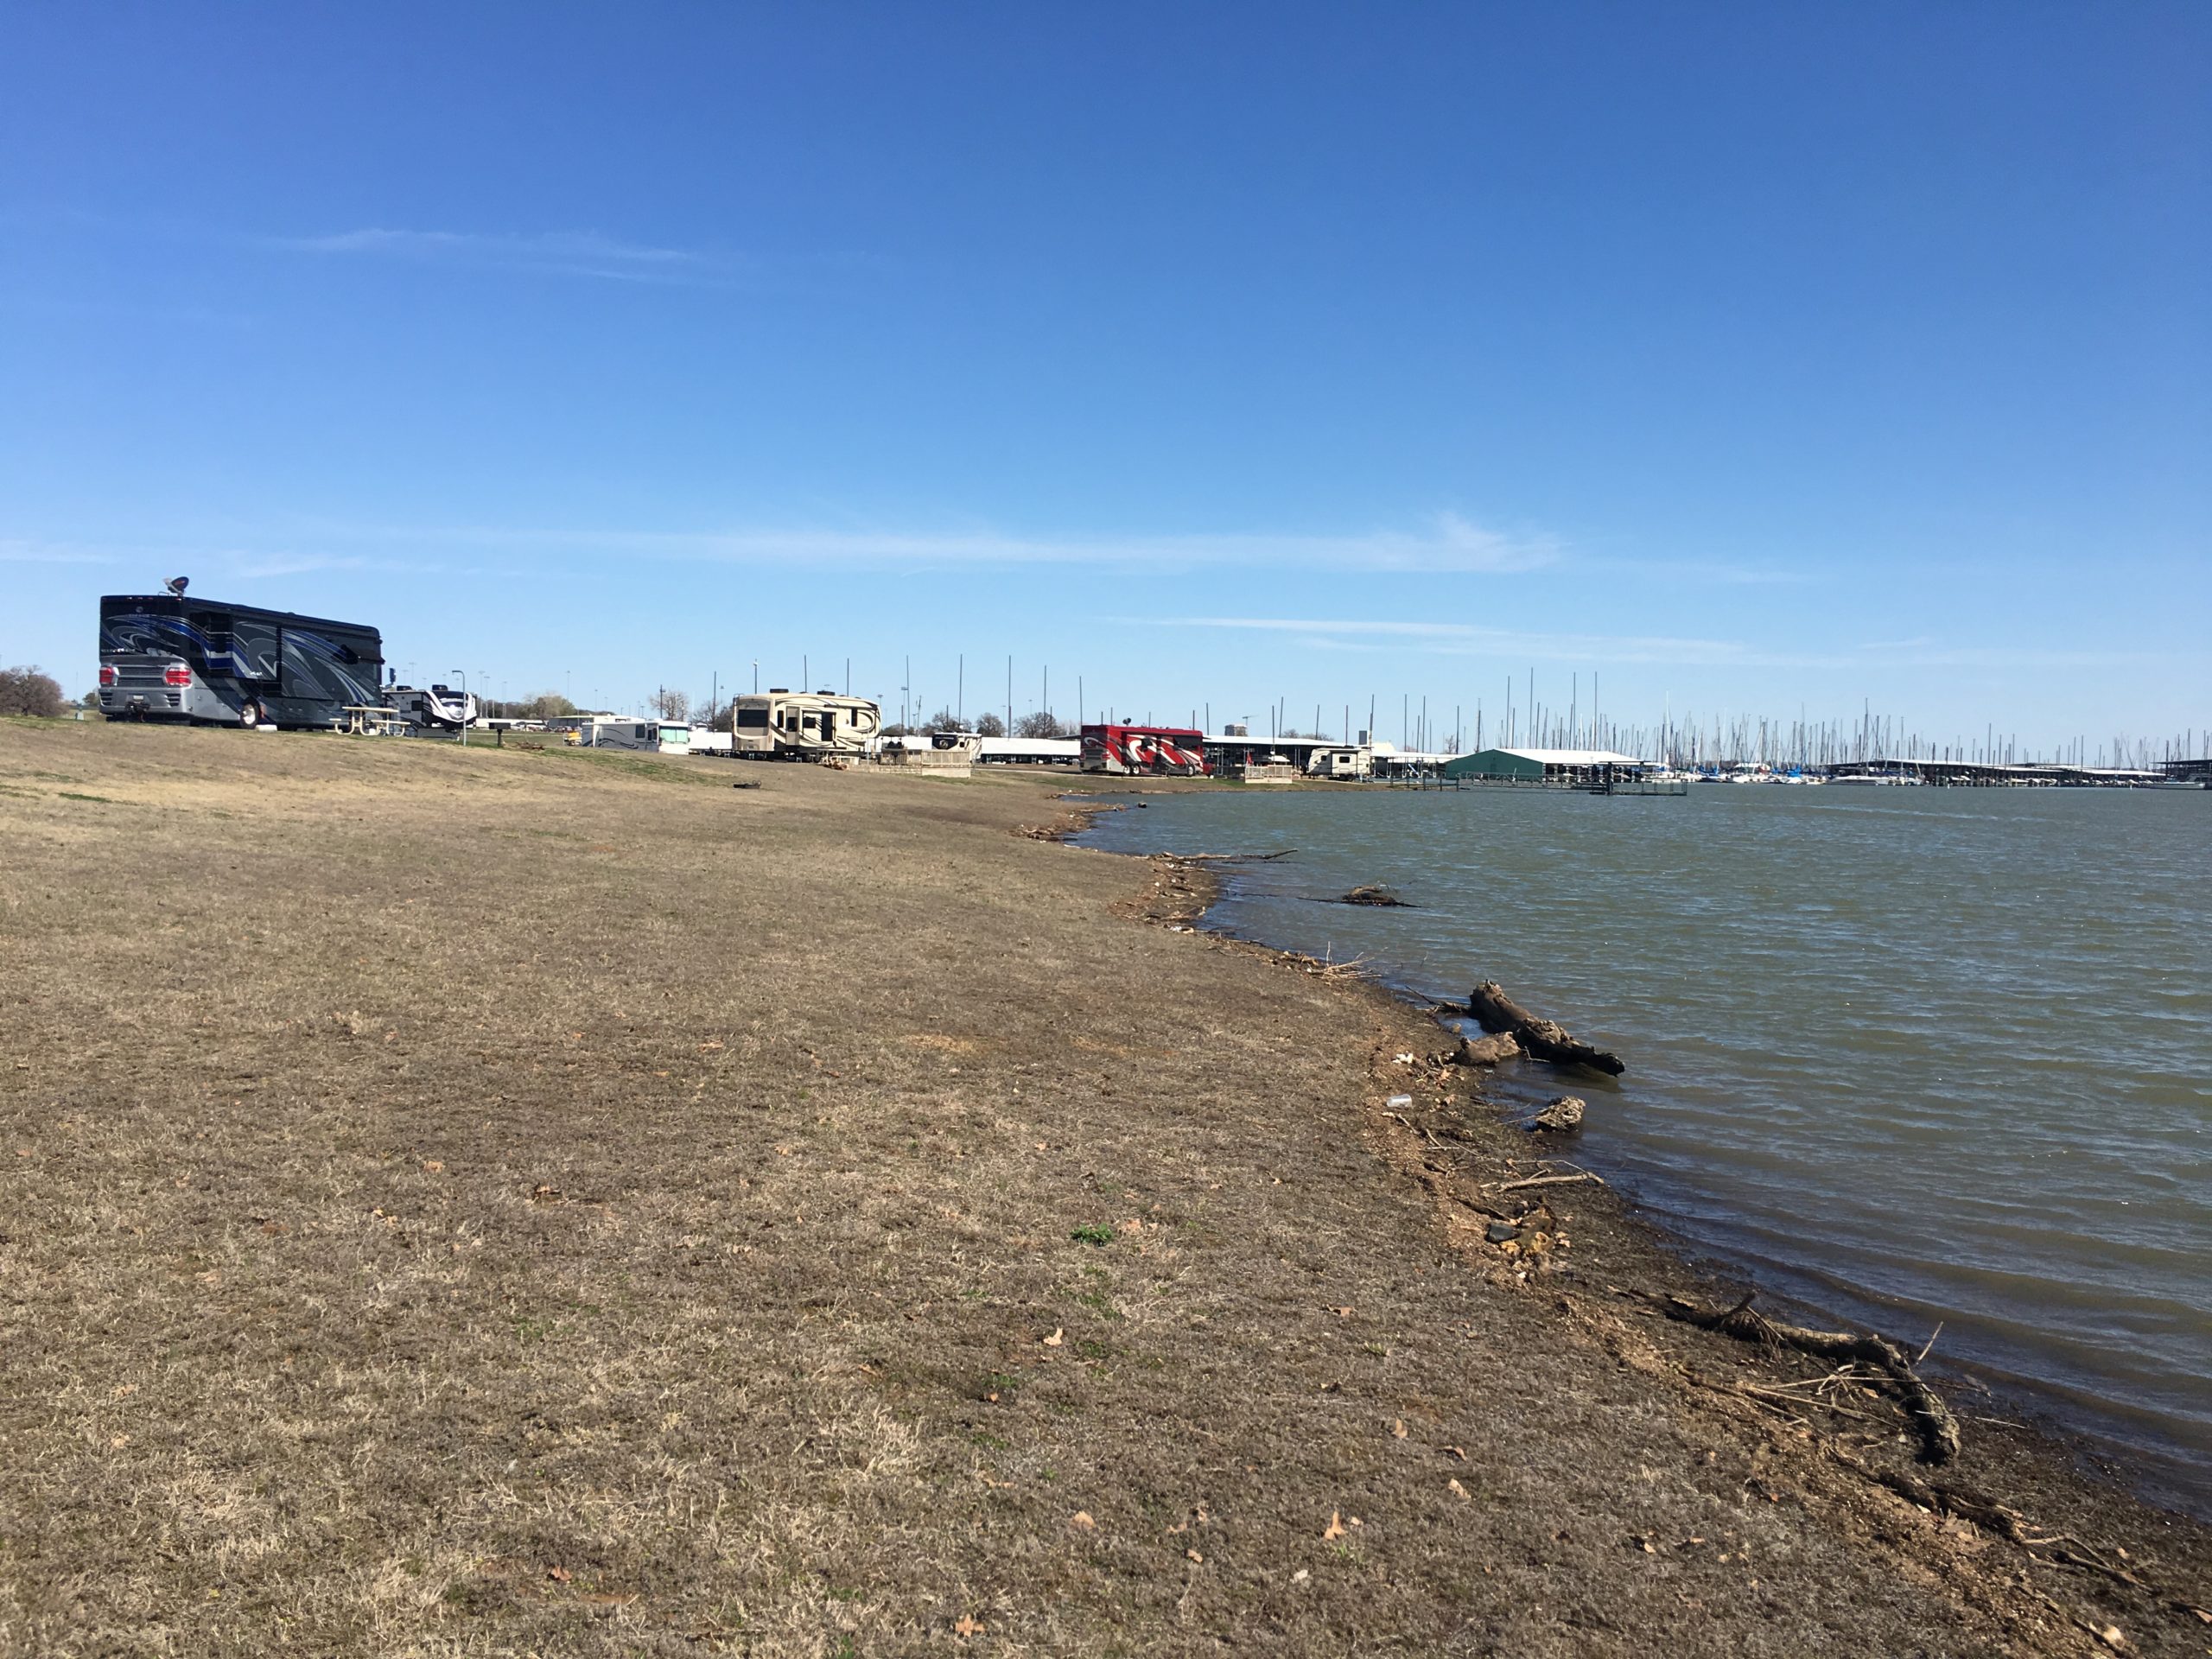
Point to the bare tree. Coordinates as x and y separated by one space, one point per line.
671 705
990 726
1042 723
27 691
946 720
545 705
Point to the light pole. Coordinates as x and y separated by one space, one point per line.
462 674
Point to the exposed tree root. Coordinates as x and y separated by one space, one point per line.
1939 1429
2060 1549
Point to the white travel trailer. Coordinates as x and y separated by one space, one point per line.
628 732
784 725
1028 751
439 708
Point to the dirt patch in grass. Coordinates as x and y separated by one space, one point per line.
483 1201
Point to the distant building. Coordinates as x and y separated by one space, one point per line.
1543 765
1028 751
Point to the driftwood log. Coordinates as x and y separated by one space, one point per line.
1375 893
1939 1429
1545 1038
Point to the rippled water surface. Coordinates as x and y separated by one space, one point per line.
1905 1055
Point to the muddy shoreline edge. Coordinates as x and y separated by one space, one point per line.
2066 1519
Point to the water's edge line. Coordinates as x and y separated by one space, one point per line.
2123 1470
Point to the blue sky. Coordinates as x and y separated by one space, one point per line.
1751 358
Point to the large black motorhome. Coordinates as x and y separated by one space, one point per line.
165 657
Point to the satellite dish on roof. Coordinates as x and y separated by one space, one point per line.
176 585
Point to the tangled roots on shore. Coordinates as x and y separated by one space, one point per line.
1938 1428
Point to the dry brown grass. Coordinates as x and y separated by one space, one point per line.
490 1202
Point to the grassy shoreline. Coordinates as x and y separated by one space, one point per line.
478 1201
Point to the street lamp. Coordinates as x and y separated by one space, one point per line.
462 674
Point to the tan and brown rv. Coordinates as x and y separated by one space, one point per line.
784 725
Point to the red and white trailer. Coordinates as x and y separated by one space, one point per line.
1145 749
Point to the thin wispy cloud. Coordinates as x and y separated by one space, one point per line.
20 552
1466 638
1705 573
1517 644
563 253
1447 543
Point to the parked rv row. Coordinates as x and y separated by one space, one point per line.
207 662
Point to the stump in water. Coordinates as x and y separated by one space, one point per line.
1374 892
1545 1038
1486 1050
1562 1117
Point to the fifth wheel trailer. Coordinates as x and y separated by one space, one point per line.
784 725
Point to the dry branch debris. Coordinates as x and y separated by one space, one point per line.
1939 1429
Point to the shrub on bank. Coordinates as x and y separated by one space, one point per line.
27 691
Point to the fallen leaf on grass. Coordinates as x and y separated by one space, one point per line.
1081 1522
1194 1555
432 1167
1058 1336
558 1574
965 1626
1335 1529
1459 1492
1397 1428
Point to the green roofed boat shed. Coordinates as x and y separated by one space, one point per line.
1570 767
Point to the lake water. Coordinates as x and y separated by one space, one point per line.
1901 1056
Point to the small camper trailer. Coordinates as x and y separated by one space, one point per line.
440 708
627 732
